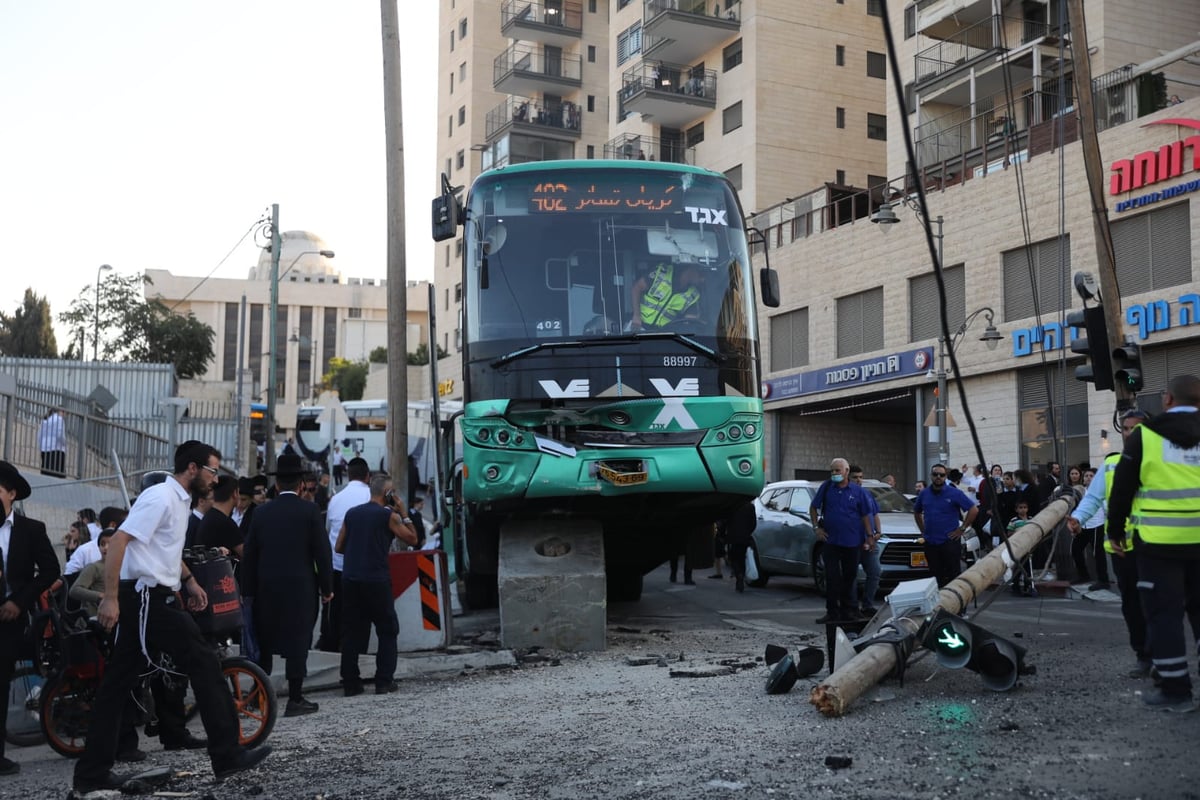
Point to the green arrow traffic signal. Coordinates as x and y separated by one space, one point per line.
950 639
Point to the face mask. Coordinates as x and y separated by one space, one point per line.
836 478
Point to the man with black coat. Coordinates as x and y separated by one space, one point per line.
28 565
739 527
285 569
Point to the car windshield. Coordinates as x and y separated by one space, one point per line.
890 500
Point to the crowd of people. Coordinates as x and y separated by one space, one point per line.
298 550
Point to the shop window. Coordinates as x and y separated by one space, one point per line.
789 340
860 323
925 318
1043 272
1153 250
1042 430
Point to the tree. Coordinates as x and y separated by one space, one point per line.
28 332
378 355
349 378
420 357
134 329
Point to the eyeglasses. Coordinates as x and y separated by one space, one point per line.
210 470
938 474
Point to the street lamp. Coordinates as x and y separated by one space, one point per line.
272 364
885 216
96 323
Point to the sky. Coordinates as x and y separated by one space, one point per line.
153 135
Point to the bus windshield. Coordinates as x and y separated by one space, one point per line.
578 254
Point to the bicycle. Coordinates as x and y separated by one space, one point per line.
69 694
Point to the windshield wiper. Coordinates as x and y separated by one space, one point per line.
686 341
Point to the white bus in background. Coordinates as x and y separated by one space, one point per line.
365 433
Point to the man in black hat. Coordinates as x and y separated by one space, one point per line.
28 565
285 568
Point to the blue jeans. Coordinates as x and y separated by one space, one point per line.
870 564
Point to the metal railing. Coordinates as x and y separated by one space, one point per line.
660 76
567 14
985 36
530 60
564 116
631 147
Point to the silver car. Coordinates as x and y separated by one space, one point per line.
784 542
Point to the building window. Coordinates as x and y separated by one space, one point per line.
446 301
924 316
731 56
229 357
789 340
875 8
734 174
591 6
841 117
877 127
462 29
462 116
458 246
354 313
460 159
910 98
462 72
449 126
1037 280
591 54
1070 418
591 102
622 3
458 292
694 135
731 118
840 56
451 83
840 177
860 323
451 41
449 167
876 65
591 151
629 42
1153 250
910 21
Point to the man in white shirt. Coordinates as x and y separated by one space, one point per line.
356 493
143 571
52 442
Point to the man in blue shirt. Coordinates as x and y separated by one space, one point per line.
868 555
842 518
938 512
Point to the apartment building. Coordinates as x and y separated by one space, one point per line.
778 95
853 356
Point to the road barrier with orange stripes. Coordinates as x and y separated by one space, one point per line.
420 589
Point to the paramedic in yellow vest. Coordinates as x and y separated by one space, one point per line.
668 293
1155 504
1090 514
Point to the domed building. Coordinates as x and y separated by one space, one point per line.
304 257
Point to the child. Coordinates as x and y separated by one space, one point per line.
1022 581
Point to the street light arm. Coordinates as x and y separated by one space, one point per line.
326 253
988 313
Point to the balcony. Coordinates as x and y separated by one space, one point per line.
555 23
683 31
531 116
991 36
629 147
524 70
671 95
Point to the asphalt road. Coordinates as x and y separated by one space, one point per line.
626 723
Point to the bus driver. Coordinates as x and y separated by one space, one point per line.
668 293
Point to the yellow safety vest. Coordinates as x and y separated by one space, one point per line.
1166 509
1110 467
661 304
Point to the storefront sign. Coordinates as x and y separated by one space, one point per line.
1154 166
1145 317
843 376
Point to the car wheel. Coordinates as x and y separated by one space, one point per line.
763 577
818 570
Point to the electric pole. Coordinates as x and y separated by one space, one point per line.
397 288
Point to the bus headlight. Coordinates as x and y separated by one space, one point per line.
484 434
750 429
492 472
502 436
745 467
735 432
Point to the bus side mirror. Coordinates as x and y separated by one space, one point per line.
445 217
769 287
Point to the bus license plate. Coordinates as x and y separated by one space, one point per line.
917 560
622 475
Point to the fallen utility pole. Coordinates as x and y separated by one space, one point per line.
875 662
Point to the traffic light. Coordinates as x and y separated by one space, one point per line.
958 643
1127 366
1094 345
